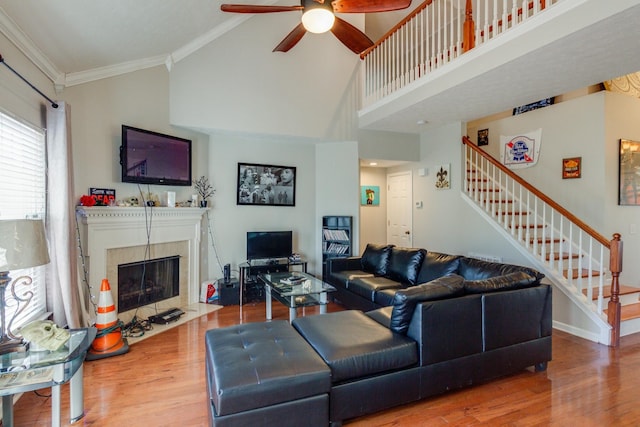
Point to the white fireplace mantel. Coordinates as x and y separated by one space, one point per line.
105 228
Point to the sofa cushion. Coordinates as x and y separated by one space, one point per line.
405 300
404 264
356 346
368 286
375 258
384 297
381 315
517 280
476 269
436 265
344 277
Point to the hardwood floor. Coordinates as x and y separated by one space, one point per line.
160 382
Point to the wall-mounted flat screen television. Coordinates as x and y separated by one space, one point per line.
269 244
149 157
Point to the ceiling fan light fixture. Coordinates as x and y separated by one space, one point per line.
318 16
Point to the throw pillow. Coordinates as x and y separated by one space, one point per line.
404 265
375 258
517 280
405 300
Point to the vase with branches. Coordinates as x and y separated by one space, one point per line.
204 189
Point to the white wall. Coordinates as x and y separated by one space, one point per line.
100 108
373 219
337 191
237 84
231 222
588 127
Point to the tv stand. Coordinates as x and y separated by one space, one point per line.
250 287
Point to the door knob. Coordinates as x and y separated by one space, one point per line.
407 232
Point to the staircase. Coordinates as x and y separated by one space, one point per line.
576 259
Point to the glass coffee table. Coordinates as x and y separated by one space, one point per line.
32 370
295 289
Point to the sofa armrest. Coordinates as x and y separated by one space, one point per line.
447 329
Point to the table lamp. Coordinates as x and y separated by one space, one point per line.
23 244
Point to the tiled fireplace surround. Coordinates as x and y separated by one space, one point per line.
113 235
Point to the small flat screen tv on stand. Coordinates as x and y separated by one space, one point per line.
269 246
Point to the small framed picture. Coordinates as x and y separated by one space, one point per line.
370 195
483 137
571 167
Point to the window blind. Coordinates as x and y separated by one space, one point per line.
23 195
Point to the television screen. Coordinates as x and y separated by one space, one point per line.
153 158
269 244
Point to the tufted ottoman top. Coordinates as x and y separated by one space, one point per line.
356 346
261 364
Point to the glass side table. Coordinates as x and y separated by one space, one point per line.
33 370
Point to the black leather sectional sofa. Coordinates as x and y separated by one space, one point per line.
439 322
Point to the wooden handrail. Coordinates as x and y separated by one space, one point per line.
614 246
396 27
571 217
510 16
468 36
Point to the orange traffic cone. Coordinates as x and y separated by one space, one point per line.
108 341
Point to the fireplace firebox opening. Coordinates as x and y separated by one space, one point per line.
147 282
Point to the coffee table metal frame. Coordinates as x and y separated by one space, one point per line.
310 292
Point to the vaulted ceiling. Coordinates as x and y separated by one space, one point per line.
74 41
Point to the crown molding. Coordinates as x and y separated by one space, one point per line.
61 80
16 36
73 79
199 42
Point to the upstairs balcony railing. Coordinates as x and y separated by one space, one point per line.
435 33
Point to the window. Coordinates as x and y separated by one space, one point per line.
23 195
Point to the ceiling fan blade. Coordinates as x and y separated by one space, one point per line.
350 36
292 39
248 8
368 6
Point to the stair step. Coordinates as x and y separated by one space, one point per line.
556 256
547 240
585 273
512 213
498 201
624 290
629 311
530 226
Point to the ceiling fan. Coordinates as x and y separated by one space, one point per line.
318 16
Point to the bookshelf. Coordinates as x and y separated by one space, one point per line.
337 235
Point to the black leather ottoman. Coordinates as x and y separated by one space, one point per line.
265 374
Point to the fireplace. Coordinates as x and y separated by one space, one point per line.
114 236
148 282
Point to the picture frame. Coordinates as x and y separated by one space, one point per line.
483 137
266 185
443 177
629 173
571 167
370 195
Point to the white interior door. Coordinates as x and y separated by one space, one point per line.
400 209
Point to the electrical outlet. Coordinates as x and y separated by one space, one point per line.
633 229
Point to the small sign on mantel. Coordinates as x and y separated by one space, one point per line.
103 196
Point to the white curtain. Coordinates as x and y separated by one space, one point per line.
65 297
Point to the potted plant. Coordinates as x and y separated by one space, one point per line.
204 189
